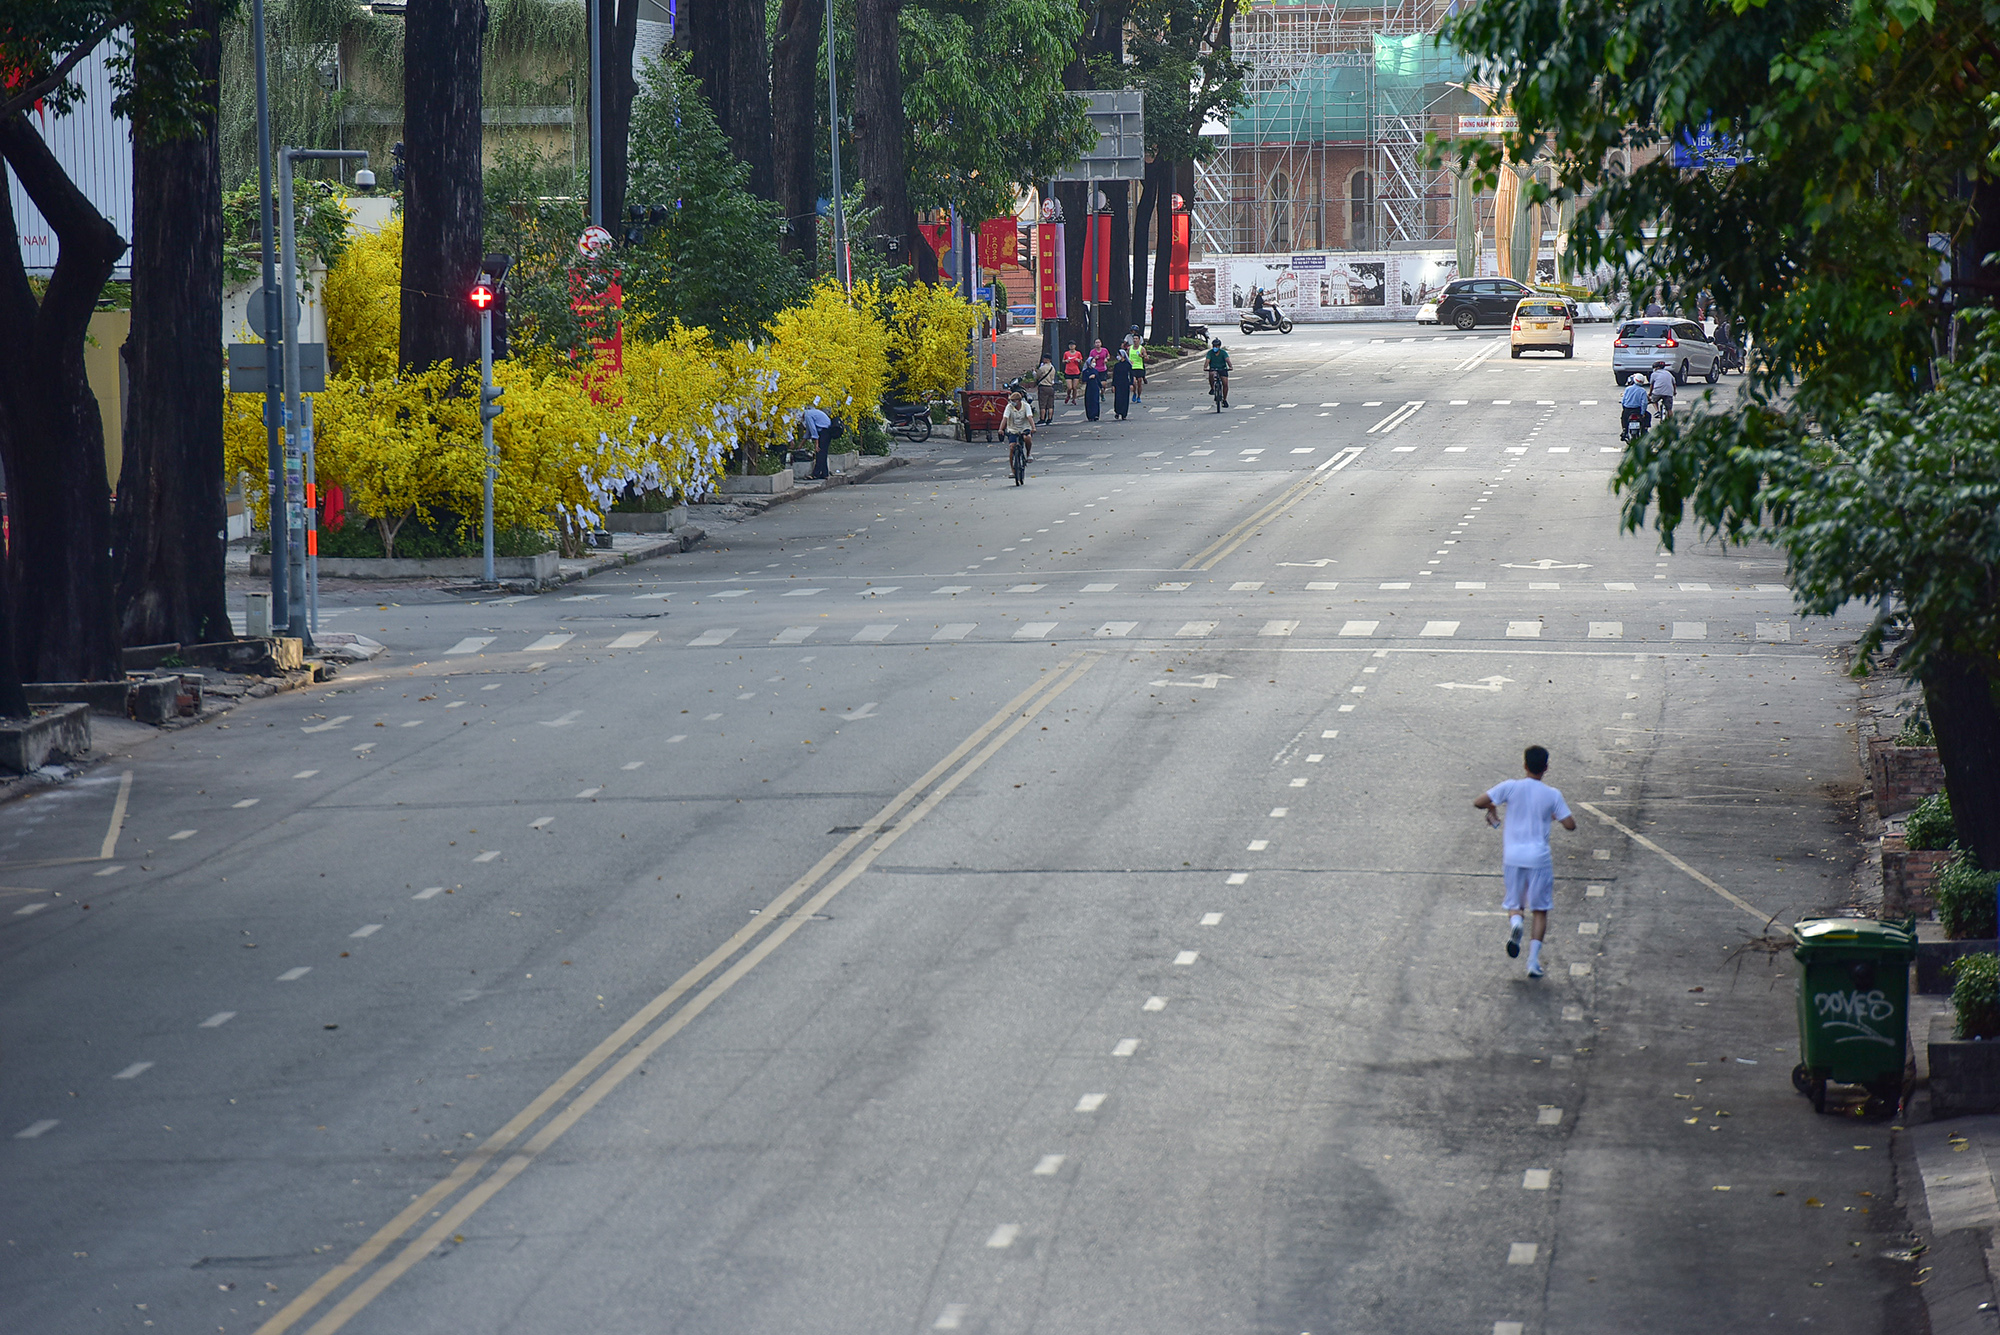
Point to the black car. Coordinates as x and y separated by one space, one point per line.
1477 301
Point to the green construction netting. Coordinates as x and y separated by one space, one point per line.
1333 99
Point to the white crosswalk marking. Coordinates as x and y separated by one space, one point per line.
471 644
1246 586
1194 628
1607 630
632 639
1774 632
1359 627
1439 629
1027 588
1621 587
549 642
1034 630
802 593
1115 630
1694 588
873 634
1524 630
711 637
794 634
1690 630
1279 628
957 630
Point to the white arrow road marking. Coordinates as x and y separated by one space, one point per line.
866 711
329 725
1483 684
562 722
1320 564
1206 681
1545 564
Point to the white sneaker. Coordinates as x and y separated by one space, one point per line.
1514 942
1535 969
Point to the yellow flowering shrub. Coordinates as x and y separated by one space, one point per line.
831 353
364 305
930 337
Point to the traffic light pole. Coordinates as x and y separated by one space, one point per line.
274 383
486 397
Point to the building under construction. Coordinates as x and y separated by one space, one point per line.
1328 152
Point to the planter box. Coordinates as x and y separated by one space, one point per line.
1965 1073
1907 877
541 567
757 484
150 700
28 744
1932 956
1902 775
264 658
665 521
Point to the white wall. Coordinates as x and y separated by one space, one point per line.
95 148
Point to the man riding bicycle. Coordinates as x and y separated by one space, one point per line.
1218 370
1662 389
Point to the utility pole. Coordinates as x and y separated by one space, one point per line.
595 12
485 292
842 267
274 386
301 522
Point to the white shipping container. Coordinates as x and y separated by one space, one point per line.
95 148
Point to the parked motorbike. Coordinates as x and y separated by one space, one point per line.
1273 318
911 421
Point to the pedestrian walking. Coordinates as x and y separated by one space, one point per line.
1045 389
1523 809
1094 367
1073 372
1121 382
820 428
1136 354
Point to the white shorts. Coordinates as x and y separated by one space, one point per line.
1530 888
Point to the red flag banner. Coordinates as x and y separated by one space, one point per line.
938 236
1049 271
1177 260
996 243
1098 258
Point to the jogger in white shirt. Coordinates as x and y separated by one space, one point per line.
1530 806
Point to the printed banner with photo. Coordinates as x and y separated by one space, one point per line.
1320 288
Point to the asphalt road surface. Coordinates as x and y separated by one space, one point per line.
941 905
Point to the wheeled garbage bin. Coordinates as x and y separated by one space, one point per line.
1854 1004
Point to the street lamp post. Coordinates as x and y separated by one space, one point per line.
301 526
274 385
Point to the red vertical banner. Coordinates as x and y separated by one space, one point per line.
996 243
1049 271
1100 257
1177 258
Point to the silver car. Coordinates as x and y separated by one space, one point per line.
1681 344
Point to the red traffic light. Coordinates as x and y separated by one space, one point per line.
482 296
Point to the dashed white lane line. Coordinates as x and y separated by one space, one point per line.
27 910
428 892
874 634
1439 629
1034 630
245 804
951 1318
1579 970
1359 628
677 737
1154 1004
1535 1179
1170 588
1099 588
217 1020
632 639
1237 878
802 593
955 588
1690 630
1211 920
1278 628
1279 813
1774 632
1587 929
293 975
730 593
541 822
1126 1047
183 834
1509 1328
110 871
1523 1253
1572 1014
134 1071
308 773
1524 630
710 638
593 792
794 634
1004 1235
1548 1115
471 644
1593 892
1300 783
1192 629
34 1129
1607 630
1027 588
1090 1102
1694 588
1049 1165
957 630
488 855
1115 630
1329 734
1322 585
362 933
548 642
1187 957
1246 586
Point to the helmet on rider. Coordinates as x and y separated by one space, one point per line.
1637 379
1215 343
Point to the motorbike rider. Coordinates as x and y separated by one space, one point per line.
1634 401
1264 311
1663 386
1218 367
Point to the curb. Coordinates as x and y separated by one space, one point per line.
875 467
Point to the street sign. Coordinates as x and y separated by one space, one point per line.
1485 125
595 241
247 374
1119 117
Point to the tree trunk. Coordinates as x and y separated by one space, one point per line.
879 127
795 125
619 34
749 124
707 37
1074 196
171 517
443 213
1960 696
51 434
1117 312
1142 219
1166 305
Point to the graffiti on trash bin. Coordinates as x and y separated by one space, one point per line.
1857 1013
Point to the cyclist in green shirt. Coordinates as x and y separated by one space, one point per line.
1218 367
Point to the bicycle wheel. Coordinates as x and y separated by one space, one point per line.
1017 460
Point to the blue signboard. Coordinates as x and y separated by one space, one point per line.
1705 148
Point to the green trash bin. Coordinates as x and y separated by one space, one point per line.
1854 1005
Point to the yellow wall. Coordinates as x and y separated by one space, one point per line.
100 362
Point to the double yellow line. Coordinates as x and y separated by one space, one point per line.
512 1149
1211 556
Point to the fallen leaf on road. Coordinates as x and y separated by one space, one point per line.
1814 1202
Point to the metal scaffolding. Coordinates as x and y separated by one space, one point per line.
1328 152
